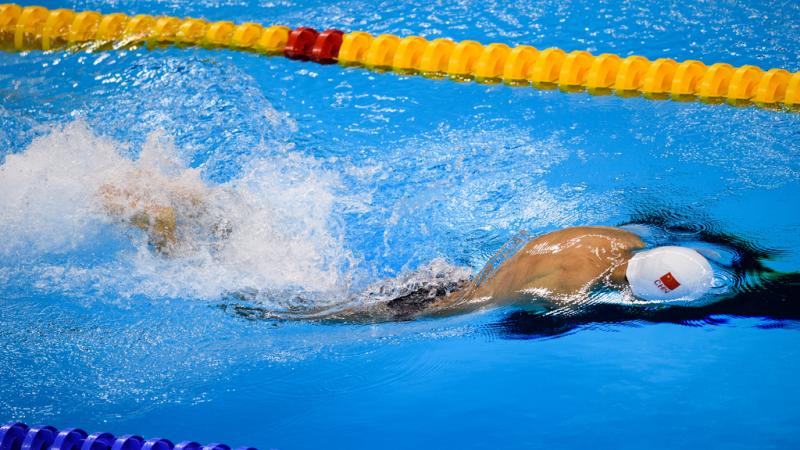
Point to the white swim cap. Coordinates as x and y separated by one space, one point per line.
669 273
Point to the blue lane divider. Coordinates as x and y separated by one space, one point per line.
18 436
38 438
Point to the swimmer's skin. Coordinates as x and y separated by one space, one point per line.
555 265
158 221
156 218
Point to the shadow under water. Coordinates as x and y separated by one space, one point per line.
775 299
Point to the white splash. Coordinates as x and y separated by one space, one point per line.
283 227
47 202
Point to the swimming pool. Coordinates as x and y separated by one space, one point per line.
344 177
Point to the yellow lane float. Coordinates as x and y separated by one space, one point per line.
35 27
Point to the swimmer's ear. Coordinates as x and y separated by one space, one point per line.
618 279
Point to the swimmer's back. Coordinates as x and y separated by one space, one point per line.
563 262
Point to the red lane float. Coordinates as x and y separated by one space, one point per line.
306 43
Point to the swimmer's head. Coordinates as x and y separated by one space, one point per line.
669 273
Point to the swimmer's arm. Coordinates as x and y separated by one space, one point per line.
158 221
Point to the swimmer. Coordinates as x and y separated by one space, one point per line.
560 266
567 264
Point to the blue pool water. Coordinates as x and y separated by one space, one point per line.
335 179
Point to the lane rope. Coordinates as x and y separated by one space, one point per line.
25 28
18 436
